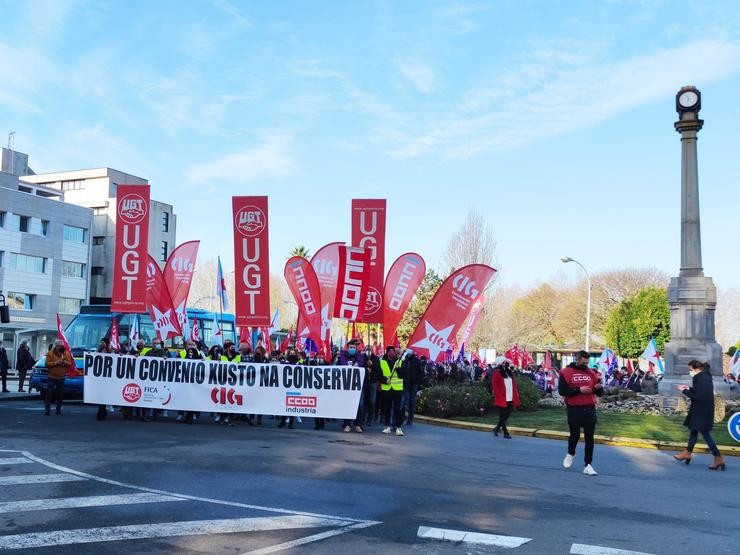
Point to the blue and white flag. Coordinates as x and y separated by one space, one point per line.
221 287
652 356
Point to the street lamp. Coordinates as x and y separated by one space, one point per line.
565 260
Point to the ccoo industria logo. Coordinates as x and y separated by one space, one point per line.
132 208
297 403
250 221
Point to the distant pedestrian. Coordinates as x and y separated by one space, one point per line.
505 397
701 413
57 362
23 363
4 367
580 386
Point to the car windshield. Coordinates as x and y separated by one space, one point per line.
86 330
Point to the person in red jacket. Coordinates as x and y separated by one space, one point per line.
579 386
505 396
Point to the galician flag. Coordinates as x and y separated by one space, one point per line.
735 364
652 355
218 338
221 287
134 333
607 362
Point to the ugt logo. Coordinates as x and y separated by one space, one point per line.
224 396
250 221
132 208
131 392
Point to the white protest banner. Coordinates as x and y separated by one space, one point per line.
213 386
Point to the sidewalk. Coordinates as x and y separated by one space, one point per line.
14 394
733 451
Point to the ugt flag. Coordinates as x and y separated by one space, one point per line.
652 355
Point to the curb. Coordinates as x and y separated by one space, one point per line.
563 436
13 396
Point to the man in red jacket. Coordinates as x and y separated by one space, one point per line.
579 386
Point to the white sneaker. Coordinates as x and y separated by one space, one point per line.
347 429
589 470
568 461
399 432
387 430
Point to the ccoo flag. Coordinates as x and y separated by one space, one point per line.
401 284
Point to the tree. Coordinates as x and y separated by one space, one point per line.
472 243
638 318
535 316
300 250
419 304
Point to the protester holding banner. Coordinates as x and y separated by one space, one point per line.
505 397
352 356
57 362
103 347
371 386
392 389
580 386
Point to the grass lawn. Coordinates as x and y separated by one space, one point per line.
662 428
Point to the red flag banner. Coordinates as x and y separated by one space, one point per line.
401 285
115 338
368 232
304 285
159 303
132 241
72 368
326 263
444 316
472 320
286 342
252 261
352 283
178 275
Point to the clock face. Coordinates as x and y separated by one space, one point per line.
688 99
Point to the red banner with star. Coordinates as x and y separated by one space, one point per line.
178 275
368 232
451 304
326 263
159 303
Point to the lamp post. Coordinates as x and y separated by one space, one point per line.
565 260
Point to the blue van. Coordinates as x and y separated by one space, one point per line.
95 321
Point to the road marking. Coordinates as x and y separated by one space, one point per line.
582 549
459 536
309 539
88 501
38 479
15 460
162 530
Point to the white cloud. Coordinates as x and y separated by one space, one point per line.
421 76
544 99
271 159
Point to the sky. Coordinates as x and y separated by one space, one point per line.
554 119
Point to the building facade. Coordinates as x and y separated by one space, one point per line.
45 257
96 189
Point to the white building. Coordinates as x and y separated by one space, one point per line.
45 256
96 189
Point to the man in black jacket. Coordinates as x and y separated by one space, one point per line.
23 363
412 371
4 367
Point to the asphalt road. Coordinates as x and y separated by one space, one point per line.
70 484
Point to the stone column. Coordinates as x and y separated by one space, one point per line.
692 296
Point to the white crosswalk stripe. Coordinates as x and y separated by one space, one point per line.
15 460
583 549
472 538
88 501
39 479
277 518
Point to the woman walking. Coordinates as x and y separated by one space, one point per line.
701 413
505 397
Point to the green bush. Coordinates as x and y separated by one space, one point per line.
528 393
445 400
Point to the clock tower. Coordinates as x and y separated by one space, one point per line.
692 296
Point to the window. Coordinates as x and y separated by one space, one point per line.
98 240
21 301
96 270
73 185
23 223
44 227
69 306
25 263
1 258
76 234
2 219
164 251
73 269
165 222
100 211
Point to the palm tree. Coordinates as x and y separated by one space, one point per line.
300 250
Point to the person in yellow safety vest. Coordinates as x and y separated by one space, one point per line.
141 349
391 388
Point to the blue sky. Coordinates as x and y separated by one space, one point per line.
554 119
